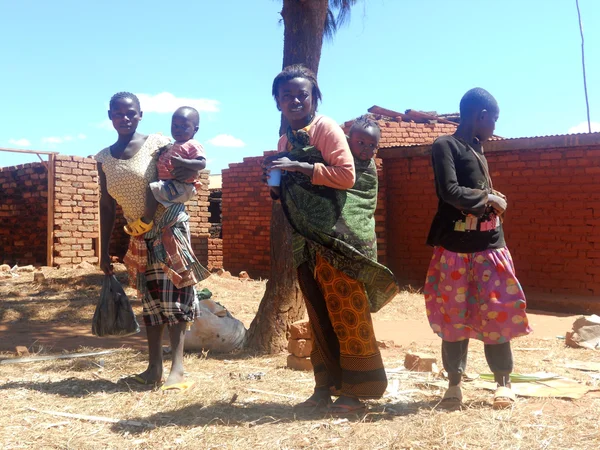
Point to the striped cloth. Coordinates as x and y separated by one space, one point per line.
165 269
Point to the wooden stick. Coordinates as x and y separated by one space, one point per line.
54 357
50 221
530 349
31 152
272 393
42 160
133 423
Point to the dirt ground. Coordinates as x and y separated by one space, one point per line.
246 400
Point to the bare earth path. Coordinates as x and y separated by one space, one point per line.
243 400
59 337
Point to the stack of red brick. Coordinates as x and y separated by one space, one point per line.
23 214
76 213
300 345
215 253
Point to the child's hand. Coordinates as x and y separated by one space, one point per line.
178 161
499 194
497 202
182 170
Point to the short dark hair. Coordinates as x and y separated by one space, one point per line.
297 71
476 100
193 112
120 95
363 122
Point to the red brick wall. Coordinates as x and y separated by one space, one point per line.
551 225
396 132
246 211
411 133
23 214
76 214
380 216
411 203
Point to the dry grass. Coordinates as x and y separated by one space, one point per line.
221 411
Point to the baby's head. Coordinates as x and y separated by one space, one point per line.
363 138
185 124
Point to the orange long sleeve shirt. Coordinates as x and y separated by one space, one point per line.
329 138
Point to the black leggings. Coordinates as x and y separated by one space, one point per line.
499 357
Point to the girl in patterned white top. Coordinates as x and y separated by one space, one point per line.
125 169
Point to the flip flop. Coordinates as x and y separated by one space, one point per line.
178 388
453 396
138 227
310 403
342 410
504 397
141 381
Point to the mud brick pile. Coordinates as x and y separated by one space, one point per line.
300 346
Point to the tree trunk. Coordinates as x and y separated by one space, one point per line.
304 23
282 304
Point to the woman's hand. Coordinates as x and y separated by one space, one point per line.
285 163
106 266
288 165
497 202
265 166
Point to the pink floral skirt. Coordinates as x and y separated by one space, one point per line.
475 295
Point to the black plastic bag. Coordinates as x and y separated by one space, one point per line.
114 315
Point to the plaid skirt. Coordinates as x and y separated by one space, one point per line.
163 302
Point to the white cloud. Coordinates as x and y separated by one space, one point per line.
165 102
52 140
20 142
226 140
55 140
106 124
583 128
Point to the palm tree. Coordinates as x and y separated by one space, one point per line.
306 23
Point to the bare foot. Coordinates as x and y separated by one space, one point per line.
345 405
150 376
320 397
175 377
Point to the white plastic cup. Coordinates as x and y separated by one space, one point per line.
274 177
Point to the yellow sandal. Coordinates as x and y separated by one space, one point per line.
138 227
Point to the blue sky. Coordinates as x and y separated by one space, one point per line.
63 60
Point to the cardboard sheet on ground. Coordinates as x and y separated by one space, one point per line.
546 387
557 388
588 366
